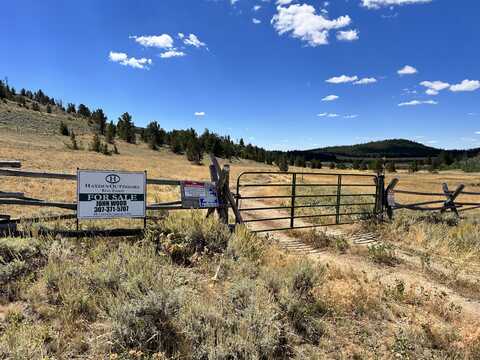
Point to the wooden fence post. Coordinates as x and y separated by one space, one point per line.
386 203
451 196
227 197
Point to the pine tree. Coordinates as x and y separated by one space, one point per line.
71 108
84 111
391 167
100 121
282 163
35 106
49 109
154 135
64 129
96 144
194 151
3 91
413 168
110 133
126 128
73 140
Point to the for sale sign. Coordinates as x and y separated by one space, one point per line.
199 195
110 194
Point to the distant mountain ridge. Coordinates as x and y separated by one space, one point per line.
391 148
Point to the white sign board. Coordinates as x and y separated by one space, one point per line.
199 195
110 194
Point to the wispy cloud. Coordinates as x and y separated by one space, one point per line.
199 113
330 115
193 40
418 102
366 81
163 41
133 62
342 79
330 98
256 21
377 4
434 87
348 35
172 53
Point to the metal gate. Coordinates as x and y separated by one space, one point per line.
275 201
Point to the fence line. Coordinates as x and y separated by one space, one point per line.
219 176
449 203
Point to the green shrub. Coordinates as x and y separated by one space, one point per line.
383 253
147 324
182 236
247 244
64 129
18 256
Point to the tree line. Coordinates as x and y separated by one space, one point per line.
194 145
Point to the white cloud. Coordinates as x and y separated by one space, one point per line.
349 35
303 23
124 60
330 98
407 70
163 41
181 35
434 87
284 2
193 40
353 116
376 4
256 21
366 81
200 113
172 53
117 57
466 85
233 2
330 115
342 79
257 7
477 132
418 102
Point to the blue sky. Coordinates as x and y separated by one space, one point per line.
259 69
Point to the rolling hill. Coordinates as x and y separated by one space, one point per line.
392 149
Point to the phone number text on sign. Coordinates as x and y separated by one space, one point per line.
110 194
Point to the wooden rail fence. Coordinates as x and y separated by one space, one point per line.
219 176
448 203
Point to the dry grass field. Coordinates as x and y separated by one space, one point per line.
188 289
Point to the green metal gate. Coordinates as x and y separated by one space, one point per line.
278 201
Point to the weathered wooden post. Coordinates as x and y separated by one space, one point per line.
451 197
389 199
222 178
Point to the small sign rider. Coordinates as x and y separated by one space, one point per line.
199 195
